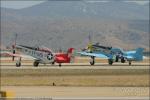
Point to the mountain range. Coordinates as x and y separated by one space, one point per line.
63 24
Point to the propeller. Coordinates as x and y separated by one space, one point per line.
89 45
13 51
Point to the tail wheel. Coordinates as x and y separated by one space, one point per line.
92 62
35 64
129 63
59 64
18 64
110 61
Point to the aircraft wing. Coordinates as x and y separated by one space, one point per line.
18 55
100 55
129 57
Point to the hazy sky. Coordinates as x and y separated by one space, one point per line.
19 4
23 4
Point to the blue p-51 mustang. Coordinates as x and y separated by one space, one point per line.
112 54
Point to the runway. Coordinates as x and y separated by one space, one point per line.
84 98
78 92
113 82
78 66
104 98
79 63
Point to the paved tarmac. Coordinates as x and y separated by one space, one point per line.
78 92
77 66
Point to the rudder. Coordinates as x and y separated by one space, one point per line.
139 54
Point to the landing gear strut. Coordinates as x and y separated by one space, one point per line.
117 59
36 63
92 62
53 63
110 61
18 63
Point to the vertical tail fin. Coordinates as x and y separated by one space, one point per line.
139 54
69 52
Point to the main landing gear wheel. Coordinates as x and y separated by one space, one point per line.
53 63
92 62
35 64
122 60
18 64
110 61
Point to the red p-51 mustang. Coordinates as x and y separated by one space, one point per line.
39 55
